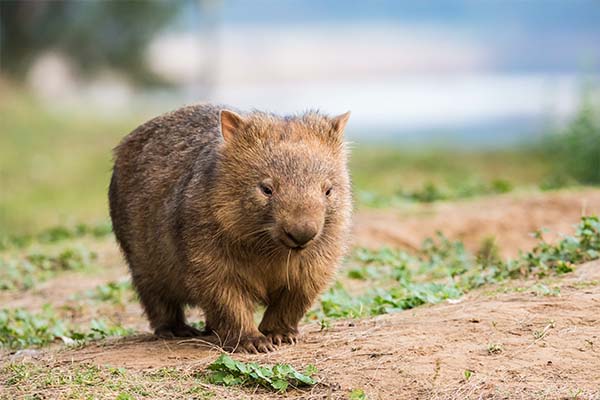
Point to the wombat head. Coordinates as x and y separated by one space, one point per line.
282 182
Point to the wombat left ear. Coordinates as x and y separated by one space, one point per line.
230 124
339 123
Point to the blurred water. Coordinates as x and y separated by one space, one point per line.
485 109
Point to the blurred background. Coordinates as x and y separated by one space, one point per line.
450 99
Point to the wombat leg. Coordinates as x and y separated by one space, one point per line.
231 318
167 318
286 309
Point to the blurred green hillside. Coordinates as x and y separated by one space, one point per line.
54 168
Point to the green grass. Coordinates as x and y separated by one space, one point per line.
113 292
54 168
575 150
445 270
22 329
86 381
386 176
92 381
24 271
57 234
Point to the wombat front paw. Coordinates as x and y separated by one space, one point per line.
255 344
279 338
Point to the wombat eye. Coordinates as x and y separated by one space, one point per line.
328 191
267 191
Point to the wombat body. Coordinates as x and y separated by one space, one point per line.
226 211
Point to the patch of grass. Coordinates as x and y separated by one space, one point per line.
431 192
585 284
57 234
575 151
22 329
229 372
392 176
79 381
115 292
55 166
357 394
24 271
445 270
543 290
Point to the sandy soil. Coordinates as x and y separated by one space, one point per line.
509 218
516 342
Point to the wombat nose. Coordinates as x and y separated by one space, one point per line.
302 233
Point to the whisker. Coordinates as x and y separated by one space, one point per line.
287 269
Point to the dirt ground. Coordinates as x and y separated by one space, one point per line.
516 343
509 218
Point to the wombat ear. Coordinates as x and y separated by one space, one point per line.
339 123
230 123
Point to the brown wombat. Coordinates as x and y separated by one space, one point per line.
225 211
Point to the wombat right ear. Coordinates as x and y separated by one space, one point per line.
230 124
339 123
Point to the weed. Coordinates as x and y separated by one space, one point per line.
540 289
541 334
494 348
488 254
358 394
79 381
229 372
576 150
21 329
467 373
57 234
430 192
24 272
561 257
448 271
113 292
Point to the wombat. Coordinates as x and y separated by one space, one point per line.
225 210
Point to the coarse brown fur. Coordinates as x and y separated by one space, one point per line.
224 212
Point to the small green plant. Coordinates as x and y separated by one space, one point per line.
468 374
446 271
494 348
543 290
87 381
561 257
57 234
576 149
431 192
541 334
21 329
113 292
24 272
358 394
229 372
488 254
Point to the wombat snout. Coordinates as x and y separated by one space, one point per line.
297 235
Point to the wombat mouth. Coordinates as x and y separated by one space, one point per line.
293 246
